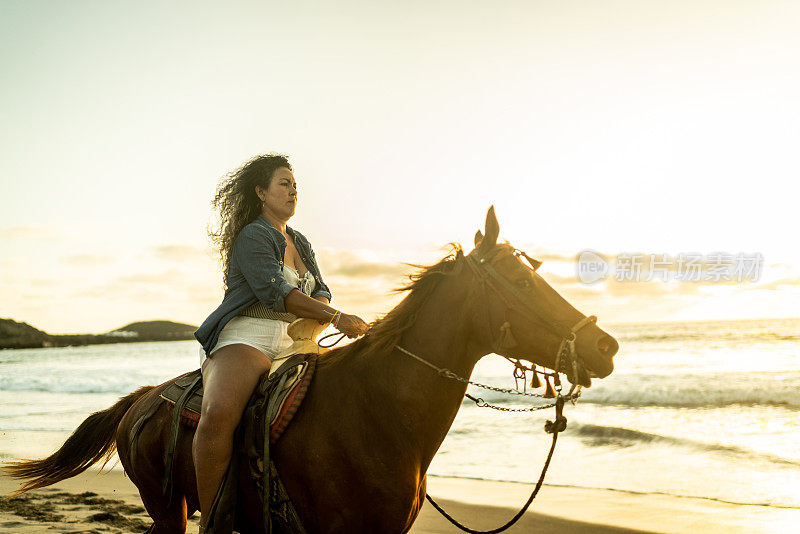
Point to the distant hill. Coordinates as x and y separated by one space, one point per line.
14 335
156 330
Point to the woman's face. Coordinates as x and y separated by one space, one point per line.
280 198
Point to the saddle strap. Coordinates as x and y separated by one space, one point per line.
283 510
174 432
137 429
271 404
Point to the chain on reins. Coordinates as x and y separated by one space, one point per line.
559 424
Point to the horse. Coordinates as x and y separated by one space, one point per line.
354 458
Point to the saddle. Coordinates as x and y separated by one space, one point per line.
274 402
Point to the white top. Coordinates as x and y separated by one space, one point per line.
306 283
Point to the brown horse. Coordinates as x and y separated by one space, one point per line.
355 456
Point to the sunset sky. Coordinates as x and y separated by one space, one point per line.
620 127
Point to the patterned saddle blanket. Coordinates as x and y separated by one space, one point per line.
287 400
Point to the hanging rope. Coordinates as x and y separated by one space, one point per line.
341 337
551 427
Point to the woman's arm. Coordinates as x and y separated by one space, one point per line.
302 305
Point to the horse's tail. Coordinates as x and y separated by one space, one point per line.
93 440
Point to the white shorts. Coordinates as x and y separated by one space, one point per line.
267 335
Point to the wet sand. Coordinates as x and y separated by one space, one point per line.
108 502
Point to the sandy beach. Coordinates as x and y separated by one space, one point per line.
108 502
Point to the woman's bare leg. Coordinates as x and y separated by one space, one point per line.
229 378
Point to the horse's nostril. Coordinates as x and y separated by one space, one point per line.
607 345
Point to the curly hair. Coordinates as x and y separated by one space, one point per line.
237 204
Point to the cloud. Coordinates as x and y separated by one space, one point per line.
86 259
557 280
170 284
371 269
13 264
361 265
615 288
779 284
544 255
637 291
46 282
29 232
180 253
124 294
168 277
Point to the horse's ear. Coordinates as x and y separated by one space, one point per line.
478 238
492 228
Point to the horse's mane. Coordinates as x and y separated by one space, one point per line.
385 332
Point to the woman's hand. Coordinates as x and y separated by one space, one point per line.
302 305
352 325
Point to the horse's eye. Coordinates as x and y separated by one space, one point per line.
524 283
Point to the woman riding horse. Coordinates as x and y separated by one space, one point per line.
271 278
376 411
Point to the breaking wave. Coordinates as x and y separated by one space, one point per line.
600 435
683 391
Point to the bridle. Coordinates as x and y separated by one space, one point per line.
566 359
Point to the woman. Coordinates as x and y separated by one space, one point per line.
271 277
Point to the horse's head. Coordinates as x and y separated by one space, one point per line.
528 319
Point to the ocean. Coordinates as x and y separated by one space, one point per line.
695 409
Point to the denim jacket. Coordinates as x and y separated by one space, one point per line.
256 273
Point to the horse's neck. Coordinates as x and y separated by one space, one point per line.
424 402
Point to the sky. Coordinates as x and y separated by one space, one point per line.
618 127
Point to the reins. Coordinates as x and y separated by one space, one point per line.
559 424
566 359
552 427
341 337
